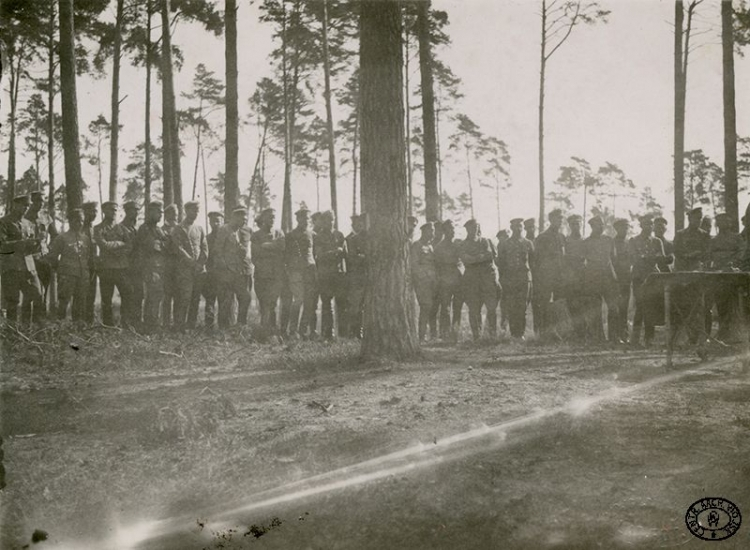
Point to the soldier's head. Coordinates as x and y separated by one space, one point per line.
326 221
170 214
724 222
449 231
530 226
238 218
647 224
695 216
555 218
622 226
473 230
90 212
706 224
574 223
75 218
37 201
266 219
502 235
303 218
191 211
20 206
357 224
315 221
215 220
516 225
660 226
131 209
411 225
597 226
154 212
109 211
427 232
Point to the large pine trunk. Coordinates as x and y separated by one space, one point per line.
731 202
231 189
286 204
542 76
114 139
71 146
679 120
329 116
51 112
166 124
389 328
432 196
147 125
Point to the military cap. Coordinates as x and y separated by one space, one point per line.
155 205
170 207
556 213
130 205
472 221
36 194
90 204
573 218
328 214
426 225
110 204
192 204
696 212
531 222
215 215
21 199
239 210
75 211
516 221
355 217
596 219
662 220
447 223
502 233
621 222
723 217
266 212
646 218
316 215
302 212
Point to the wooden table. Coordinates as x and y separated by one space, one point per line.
706 281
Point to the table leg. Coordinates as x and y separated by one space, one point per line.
668 322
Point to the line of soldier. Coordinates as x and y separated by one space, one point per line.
524 271
162 270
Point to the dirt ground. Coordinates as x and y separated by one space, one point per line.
117 440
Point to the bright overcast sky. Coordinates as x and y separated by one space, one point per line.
609 96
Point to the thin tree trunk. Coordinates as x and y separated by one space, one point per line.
329 116
286 205
51 112
166 112
71 146
355 166
542 71
197 161
432 195
471 186
231 177
205 188
114 139
407 99
731 203
389 328
438 156
15 78
147 139
679 120
497 199
99 168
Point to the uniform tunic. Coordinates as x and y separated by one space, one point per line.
514 257
19 276
71 252
115 248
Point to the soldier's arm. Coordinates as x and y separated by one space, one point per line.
8 245
55 250
105 244
203 254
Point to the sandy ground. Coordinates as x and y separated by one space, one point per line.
187 442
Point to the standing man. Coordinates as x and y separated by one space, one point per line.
480 283
150 256
44 231
660 232
646 254
132 308
725 253
424 279
71 254
529 226
575 290
691 251
18 244
622 264
207 280
190 253
300 268
268 247
356 274
170 268
329 247
600 280
90 213
449 272
502 237
549 251
115 248
514 257
233 268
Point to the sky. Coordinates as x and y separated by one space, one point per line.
609 97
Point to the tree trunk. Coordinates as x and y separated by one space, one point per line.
51 112
438 156
114 139
15 78
166 112
99 168
231 183
329 117
355 164
71 146
431 193
147 126
286 204
389 328
407 101
731 203
468 176
679 120
542 71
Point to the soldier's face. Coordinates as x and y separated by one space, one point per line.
597 228
191 214
358 226
90 213
660 229
170 216
647 226
131 213
20 208
215 222
76 220
154 215
694 220
449 232
428 233
622 230
555 222
109 213
575 227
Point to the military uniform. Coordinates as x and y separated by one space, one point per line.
449 270
514 256
268 256
150 256
71 252
424 279
89 306
356 275
725 254
17 247
480 282
600 284
170 276
233 269
300 268
646 252
329 251
622 263
575 291
691 251
549 250
115 248
133 307
44 231
190 253
208 282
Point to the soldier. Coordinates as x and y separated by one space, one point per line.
71 254
151 244
449 272
549 250
207 281
115 248
622 264
660 230
707 224
329 247
514 258
502 236
190 253
133 309
300 268
691 254
18 244
44 231
233 267
170 269
424 280
646 253
725 254
356 273
268 247
411 225
90 213
600 280
529 227
574 270
480 282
